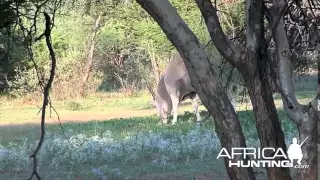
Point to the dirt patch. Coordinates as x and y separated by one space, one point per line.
81 116
84 117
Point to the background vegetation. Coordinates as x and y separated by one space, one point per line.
127 42
131 145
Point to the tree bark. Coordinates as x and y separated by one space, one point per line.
306 117
4 61
3 82
204 80
156 72
154 64
267 121
253 67
89 64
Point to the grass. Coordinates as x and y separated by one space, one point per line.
133 147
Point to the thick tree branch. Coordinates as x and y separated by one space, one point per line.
285 70
274 18
47 35
225 46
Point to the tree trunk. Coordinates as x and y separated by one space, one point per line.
156 72
155 69
4 64
267 122
3 82
89 64
253 67
154 64
204 80
309 128
306 117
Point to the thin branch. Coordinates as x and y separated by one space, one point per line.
59 120
207 44
47 88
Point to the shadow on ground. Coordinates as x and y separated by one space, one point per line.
134 163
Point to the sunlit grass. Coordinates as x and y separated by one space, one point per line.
105 148
106 105
120 148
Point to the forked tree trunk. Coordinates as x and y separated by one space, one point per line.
253 67
306 117
89 63
204 79
267 121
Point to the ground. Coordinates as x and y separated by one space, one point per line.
106 137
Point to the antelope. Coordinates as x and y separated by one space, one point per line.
173 88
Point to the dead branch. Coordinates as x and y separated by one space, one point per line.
47 35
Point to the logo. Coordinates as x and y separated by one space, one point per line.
266 157
295 151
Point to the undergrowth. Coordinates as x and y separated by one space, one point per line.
107 149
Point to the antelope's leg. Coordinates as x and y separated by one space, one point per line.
195 106
175 103
164 117
164 114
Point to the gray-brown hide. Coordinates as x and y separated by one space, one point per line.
173 88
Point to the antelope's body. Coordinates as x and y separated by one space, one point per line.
175 87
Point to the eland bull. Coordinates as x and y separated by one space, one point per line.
173 88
